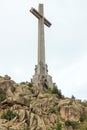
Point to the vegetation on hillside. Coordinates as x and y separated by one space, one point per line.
2 95
27 106
9 115
56 91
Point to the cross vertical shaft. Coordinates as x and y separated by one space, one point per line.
41 41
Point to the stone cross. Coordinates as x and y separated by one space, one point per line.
41 67
41 21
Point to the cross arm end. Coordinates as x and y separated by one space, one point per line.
47 23
35 13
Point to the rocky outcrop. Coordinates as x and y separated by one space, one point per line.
24 106
70 110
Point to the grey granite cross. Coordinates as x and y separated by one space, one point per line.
41 67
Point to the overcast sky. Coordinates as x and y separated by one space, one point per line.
65 41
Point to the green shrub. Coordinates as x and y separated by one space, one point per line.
55 104
68 123
52 110
73 97
70 103
9 115
49 90
22 83
71 123
82 126
31 90
2 95
59 127
55 90
0 76
83 117
22 94
30 84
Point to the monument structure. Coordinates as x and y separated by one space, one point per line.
41 75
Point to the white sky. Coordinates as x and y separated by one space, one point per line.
65 41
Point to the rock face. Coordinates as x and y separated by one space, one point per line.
24 106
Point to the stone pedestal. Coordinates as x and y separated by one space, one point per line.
42 78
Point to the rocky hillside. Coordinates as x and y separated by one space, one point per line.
27 107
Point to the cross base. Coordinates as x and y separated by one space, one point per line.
42 77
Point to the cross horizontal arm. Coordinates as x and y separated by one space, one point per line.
46 22
38 15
